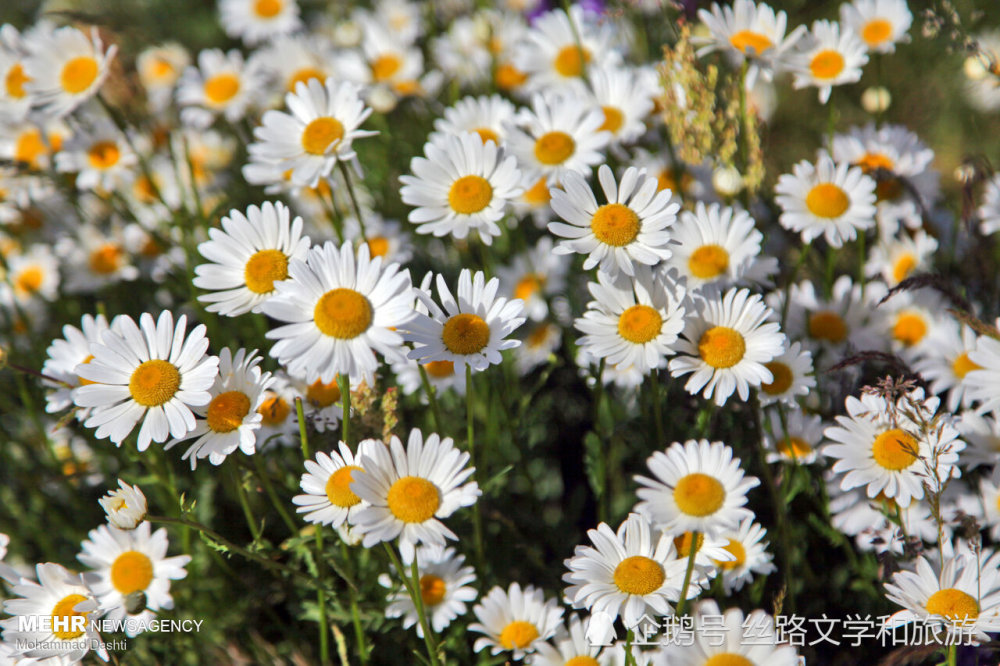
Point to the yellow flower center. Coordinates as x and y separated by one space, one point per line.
876 31
29 147
827 64
106 259
827 325
320 134
221 88
668 180
554 147
305 75
894 450
62 613
738 551
903 267
518 634
721 347
683 544
639 324
528 285
78 74
794 447
159 69
432 589
728 659
509 77
143 190
227 411
274 410
910 328
782 381
871 162
748 39
538 194
615 224
486 134
267 8
154 383
699 494
827 200
86 382
582 660
962 365
613 119
465 334
470 194
708 261
378 246
29 280
263 269
15 81
538 335
103 154
385 66
953 604
338 487
440 369
323 395
570 60
343 314
639 575
413 499
131 571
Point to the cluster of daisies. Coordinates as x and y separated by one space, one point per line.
548 167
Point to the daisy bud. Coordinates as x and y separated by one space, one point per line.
876 99
126 508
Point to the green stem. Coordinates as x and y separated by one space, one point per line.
344 383
803 255
682 603
265 481
431 396
477 520
324 638
303 438
654 390
245 503
629 657
356 614
354 199
952 655
412 586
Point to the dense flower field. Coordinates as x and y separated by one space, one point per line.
454 332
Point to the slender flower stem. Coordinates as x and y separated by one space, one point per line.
303 437
629 657
39 375
355 613
654 390
265 480
245 503
477 520
354 199
952 655
344 383
431 396
412 585
682 603
803 255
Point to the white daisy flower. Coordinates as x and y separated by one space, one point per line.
462 53
797 440
989 497
298 58
983 383
750 556
445 589
462 184
944 362
540 342
515 619
328 498
277 410
828 57
686 182
630 228
255 21
34 145
67 601
486 116
93 260
569 646
846 319
221 84
558 135
342 308
826 199
726 345
322 404
752 32
632 321
875 447
629 573
625 97
909 319
737 639
962 597
230 420
558 48
154 375
33 274
982 434
249 255
125 507
534 277
317 133
471 330
66 68
792 373
101 158
129 563
15 100
409 490
709 550
698 486
64 355
901 257
881 24
718 245
159 68
989 212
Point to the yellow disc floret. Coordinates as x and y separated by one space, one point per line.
708 261
221 88
154 383
338 487
639 575
227 410
640 324
895 450
828 201
699 494
721 347
131 571
465 333
781 378
343 313
62 614
748 39
615 224
554 148
518 635
470 194
413 499
432 589
827 64
953 604
263 269
78 74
